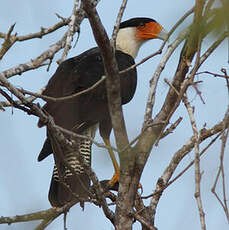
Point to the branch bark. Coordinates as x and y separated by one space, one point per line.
196 135
111 72
127 186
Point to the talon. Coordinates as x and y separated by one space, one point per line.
114 179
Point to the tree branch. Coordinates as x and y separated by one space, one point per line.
66 98
73 27
57 134
163 181
197 161
8 42
47 216
49 53
111 72
117 23
42 32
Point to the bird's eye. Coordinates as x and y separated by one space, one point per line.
142 24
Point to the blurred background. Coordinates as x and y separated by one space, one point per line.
24 183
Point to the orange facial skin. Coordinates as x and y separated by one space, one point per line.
148 30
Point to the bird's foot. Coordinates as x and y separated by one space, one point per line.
115 181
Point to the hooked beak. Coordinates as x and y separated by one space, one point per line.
163 35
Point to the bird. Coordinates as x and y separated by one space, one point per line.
88 112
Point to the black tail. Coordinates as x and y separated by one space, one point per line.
73 188
70 183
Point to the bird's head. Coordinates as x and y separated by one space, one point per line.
134 32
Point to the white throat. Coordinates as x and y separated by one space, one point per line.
127 41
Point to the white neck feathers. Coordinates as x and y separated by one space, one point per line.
127 41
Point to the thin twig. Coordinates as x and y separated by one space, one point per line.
199 93
8 42
224 138
66 98
213 74
221 171
35 110
188 81
183 171
48 54
72 29
37 62
190 110
62 141
42 32
197 161
157 73
30 99
117 23
75 135
179 155
41 215
139 135
171 128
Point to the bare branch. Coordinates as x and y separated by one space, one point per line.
163 187
197 161
66 98
30 99
199 93
179 155
37 62
48 54
171 128
72 134
19 105
221 170
111 72
157 73
73 27
45 215
8 42
56 132
42 32
117 23
213 74
190 110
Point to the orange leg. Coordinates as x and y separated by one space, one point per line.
115 177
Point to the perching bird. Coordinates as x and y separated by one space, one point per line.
83 114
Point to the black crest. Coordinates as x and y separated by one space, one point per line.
134 22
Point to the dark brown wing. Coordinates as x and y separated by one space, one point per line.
80 115
80 73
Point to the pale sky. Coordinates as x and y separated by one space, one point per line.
25 182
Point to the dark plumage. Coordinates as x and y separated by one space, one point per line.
72 76
84 113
